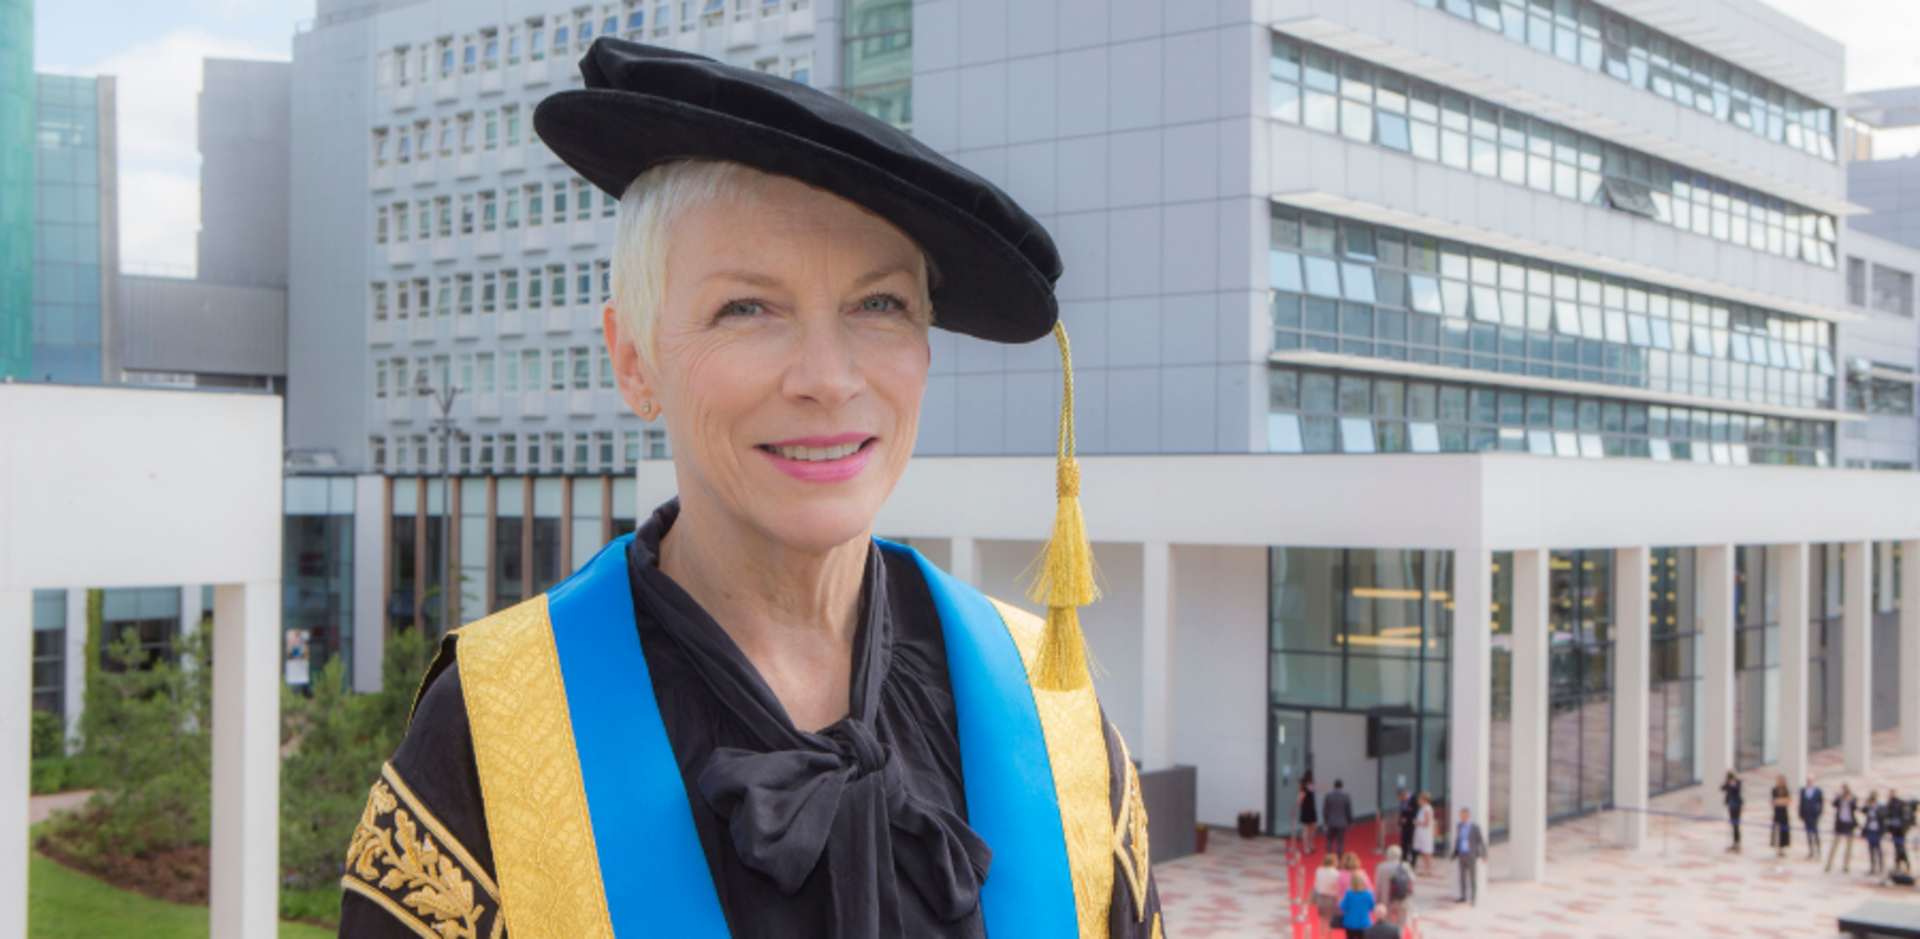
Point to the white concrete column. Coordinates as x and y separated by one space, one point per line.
369 581
1470 702
965 563
1910 647
1632 686
75 661
1713 578
16 737
1793 663
1527 828
245 889
1856 659
1883 559
1156 657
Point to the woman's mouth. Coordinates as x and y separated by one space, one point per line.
821 459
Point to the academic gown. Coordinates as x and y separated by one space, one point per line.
894 760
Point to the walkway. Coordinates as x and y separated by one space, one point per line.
1683 885
41 808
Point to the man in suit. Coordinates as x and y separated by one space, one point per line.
1812 803
1409 811
1469 849
1336 812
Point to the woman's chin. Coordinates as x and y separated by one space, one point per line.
819 523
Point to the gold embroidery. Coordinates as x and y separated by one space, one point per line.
1156 926
1130 837
523 745
1077 750
423 883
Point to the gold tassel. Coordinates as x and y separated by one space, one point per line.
1066 579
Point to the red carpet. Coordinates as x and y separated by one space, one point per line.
1360 841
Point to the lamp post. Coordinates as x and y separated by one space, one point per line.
444 428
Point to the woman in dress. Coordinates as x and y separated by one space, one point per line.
1326 892
1306 811
1782 825
1423 834
750 718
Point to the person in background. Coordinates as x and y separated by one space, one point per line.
1845 819
1338 817
1872 827
1812 803
1326 891
1899 818
1730 794
1356 905
1409 811
1306 812
1782 833
1469 849
1423 834
1393 884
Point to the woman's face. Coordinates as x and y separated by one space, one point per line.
789 361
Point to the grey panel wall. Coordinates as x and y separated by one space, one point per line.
245 126
175 325
329 217
1891 188
1126 129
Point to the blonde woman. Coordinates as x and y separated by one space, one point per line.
1326 892
1423 835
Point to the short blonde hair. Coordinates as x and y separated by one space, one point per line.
652 203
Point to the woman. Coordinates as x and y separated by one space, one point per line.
1845 811
1327 892
1356 905
1872 826
1730 794
1305 810
1782 828
1423 836
749 718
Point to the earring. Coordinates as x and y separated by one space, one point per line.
646 409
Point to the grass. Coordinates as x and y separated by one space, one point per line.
66 904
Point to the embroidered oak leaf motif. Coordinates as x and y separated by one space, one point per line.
1130 839
405 863
370 841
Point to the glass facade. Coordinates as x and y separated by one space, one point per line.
1364 631
152 614
1580 682
50 651
1349 287
66 259
879 59
1315 411
1756 655
1673 726
18 96
1331 92
1500 729
1600 40
318 576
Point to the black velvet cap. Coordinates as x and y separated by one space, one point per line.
644 105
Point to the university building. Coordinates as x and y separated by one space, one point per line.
1492 399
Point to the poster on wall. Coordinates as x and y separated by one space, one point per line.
299 666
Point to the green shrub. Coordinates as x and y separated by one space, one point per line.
48 736
336 742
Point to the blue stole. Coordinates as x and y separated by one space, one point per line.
652 867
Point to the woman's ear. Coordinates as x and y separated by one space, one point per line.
629 369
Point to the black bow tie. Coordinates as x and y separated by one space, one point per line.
782 809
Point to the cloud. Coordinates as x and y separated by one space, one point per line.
158 102
159 219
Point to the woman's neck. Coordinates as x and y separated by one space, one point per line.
792 613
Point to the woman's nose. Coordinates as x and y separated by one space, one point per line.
825 368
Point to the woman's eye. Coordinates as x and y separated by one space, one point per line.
882 303
742 308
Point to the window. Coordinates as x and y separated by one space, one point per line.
582 453
509 373
380 147
582 361
484 367
509 458
423 294
443 300
557 285
603 448
687 21
422 141
1857 281
513 48
465 127
402 223
463 284
657 448
380 380
489 211
513 208
380 225
379 447
530 368
490 133
559 203
629 448
446 137
556 451
583 283
490 49
463 372
800 69
510 290
535 205
443 209
1892 291
445 48
660 15
583 30
534 283
603 273
510 116
466 213
489 292
556 371
536 41
607 382
405 154
469 56
636 19
379 303
608 205
423 210
403 293
582 200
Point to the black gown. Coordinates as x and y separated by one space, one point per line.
895 858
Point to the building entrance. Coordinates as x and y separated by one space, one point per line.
1372 756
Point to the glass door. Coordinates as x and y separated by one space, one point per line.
1292 757
1398 761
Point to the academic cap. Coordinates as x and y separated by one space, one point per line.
644 105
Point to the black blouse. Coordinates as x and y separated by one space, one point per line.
858 830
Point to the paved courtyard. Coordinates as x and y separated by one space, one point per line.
1683 884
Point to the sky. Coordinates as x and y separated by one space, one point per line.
155 48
